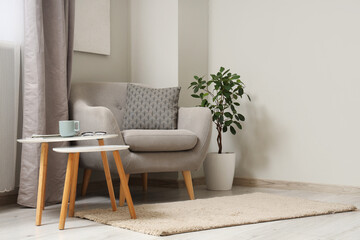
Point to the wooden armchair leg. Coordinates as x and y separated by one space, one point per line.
86 179
144 177
188 183
121 193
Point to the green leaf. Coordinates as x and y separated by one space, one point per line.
227 94
195 96
204 103
233 109
228 123
229 115
236 104
225 128
196 77
241 91
227 87
232 130
238 125
222 69
196 89
226 72
192 84
248 97
241 117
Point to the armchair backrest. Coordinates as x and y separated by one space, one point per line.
111 95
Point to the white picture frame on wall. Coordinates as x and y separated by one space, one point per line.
92 26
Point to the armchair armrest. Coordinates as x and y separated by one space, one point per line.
197 120
96 118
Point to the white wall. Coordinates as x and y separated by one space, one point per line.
300 60
12 21
154 42
193 45
89 67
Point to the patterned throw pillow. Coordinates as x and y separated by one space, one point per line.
151 108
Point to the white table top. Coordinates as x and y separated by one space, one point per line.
65 139
105 148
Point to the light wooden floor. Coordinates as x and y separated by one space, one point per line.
19 223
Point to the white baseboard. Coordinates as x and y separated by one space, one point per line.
94 187
286 185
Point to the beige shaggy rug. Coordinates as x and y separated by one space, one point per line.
162 219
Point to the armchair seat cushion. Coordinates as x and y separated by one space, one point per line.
143 140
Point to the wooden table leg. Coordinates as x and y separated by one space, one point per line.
65 198
45 173
73 185
121 193
123 182
41 184
108 176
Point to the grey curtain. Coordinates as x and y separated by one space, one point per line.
48 46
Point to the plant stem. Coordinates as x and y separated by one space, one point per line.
219 139
219 126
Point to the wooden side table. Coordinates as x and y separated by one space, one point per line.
71 178
43 164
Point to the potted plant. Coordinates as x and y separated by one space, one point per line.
221 94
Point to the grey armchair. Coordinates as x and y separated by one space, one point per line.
101 106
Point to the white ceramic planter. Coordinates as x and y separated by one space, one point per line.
219 170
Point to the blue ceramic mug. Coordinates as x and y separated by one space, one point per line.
69 128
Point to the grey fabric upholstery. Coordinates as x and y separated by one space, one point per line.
141 140
100 106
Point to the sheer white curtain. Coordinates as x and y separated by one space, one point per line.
11 39
9 103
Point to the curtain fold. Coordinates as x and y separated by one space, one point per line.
48 47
